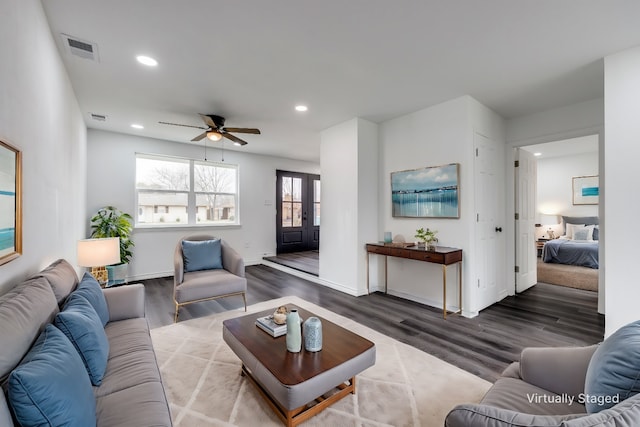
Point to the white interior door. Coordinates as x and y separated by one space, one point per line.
489 247
525 248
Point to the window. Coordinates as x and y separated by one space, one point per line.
185 192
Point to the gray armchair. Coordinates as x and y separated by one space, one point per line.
203 285
570 387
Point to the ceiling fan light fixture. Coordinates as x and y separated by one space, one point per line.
214 136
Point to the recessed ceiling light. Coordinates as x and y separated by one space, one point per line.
147 60
237 144
301 108
137 126
537 154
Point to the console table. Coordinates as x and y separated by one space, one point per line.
441 255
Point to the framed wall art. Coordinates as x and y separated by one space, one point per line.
10 203
431 192
586 190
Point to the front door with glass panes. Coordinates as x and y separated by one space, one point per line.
298 211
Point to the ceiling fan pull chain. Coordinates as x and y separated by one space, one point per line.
205 150
222 151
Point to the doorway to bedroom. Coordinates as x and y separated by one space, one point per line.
563 198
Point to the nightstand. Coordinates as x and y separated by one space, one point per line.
540 244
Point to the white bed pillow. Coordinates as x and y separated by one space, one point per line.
570 228
584 233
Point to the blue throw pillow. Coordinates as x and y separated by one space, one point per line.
90 289
613 374
81 324
51 387
202 255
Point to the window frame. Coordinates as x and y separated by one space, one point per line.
191 207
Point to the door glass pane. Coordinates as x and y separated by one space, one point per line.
286 189
316 191
162 207
316 214
297 189
215 208
297 214
286 214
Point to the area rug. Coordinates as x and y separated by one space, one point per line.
406 387
571 276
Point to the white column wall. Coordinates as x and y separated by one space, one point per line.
111 181
621 153
40 116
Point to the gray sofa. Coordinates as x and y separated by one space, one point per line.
131 392
550 387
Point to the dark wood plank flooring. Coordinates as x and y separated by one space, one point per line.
306 261
545 315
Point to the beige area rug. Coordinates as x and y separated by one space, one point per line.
406 387
571 276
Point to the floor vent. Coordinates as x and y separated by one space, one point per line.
81 48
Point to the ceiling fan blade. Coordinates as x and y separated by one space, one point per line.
234 138
208 121
179 124
199 137
243 130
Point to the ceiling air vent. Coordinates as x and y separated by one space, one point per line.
99 117
81 48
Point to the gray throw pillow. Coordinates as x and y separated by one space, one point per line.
613 374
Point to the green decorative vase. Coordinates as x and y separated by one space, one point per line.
294 332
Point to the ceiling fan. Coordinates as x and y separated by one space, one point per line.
216 130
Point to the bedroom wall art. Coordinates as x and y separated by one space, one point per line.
585 190
10 203
430 192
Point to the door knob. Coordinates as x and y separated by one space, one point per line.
498 229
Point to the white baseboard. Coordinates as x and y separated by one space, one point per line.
429 302
312 278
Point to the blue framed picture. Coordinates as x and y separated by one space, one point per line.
586 190
10 203
431 192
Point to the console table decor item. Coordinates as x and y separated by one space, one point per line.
430 192
441 255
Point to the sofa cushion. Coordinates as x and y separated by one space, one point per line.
61 277
40 389
140 405
613 374
24 312
90 289
202 255
81 324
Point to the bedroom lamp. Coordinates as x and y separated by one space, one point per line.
98 253
549 220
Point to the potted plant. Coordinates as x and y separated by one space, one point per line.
111 222
428 238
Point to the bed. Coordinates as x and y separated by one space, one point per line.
578 246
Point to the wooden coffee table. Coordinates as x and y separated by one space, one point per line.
298 386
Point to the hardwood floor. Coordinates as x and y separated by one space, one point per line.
545 315
306 261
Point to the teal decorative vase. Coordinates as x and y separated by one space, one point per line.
294 333
312 334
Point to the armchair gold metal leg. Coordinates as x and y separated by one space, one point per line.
175 316
244 297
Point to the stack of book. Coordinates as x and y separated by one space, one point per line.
267 324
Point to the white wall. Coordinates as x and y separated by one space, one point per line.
434 136
555 186
621 153
111 181
349 160
40 116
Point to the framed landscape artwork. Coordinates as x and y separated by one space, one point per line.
10 203
585 190
431 192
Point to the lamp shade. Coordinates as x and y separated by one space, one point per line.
98 252
546 219
213 135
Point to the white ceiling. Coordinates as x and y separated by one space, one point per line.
565 147
252 61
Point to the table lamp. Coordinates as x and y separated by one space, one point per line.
98 253
549 221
